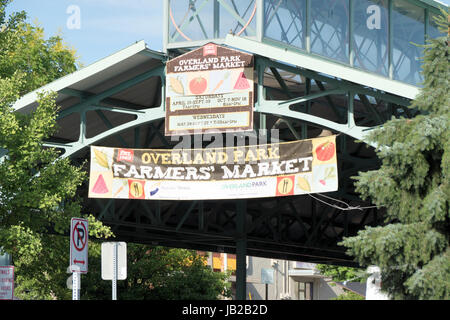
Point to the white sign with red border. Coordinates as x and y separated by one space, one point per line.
79 245
6 282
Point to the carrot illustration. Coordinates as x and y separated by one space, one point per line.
219 84
124 183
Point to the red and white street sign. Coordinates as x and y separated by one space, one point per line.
6 282
79 245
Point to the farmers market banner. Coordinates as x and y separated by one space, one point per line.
271 170
209 89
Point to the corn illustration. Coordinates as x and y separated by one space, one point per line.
101 158
303 184
176 85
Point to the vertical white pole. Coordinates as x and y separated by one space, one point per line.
114 281
76 286
225 262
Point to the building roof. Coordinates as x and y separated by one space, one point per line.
123 63
434 3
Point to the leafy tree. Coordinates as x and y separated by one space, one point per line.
37 189
349 295
338 273
24 50
412 249
159 273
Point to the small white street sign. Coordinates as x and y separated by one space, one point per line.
108 260
267 275
6 282
114 263
79 245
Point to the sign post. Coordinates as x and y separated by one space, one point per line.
114 280
76 284
78 253
267 278
114 263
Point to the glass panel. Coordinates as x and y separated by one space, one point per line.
284 20
329 28
371 35
237 17
433 30
191 20
408 26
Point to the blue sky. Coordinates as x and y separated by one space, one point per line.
106 25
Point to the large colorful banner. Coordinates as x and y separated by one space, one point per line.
271 170
209 89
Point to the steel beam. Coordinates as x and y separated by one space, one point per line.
241 250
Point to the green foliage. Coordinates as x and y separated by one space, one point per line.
158 273
37 189
412 249
349 295
24 50
339 274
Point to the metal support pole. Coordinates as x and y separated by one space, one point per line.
350 35
216 19
241 249
115 267
165 25
260 20
391 39
76 276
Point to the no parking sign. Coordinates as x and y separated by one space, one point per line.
79 245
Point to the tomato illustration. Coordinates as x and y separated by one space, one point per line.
325 151
198 85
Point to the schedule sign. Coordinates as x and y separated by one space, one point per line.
79 245
209 89
6 282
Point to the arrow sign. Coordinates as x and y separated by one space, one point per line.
79 245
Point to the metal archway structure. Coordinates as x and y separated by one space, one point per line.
127 110
120 101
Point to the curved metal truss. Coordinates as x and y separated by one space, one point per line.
299 103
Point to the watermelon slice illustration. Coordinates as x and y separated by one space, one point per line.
100 186
242 82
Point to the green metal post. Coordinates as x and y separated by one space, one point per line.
350 111
259 20
241 250
308 26
391 40
216 19
350 34
165 25
308 109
